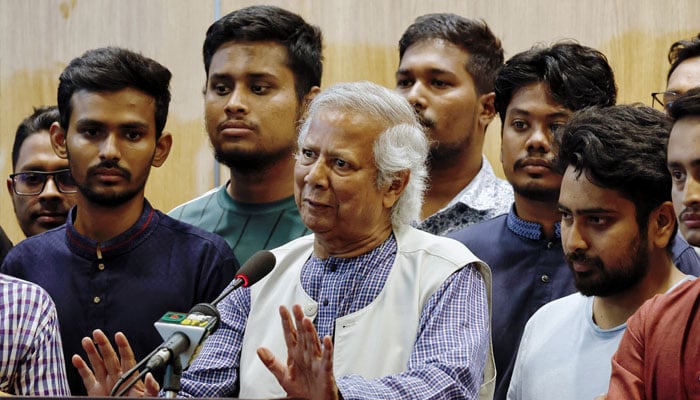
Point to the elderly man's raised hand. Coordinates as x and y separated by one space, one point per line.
107 367
308 372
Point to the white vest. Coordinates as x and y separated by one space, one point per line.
373 342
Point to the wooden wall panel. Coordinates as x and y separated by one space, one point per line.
38 37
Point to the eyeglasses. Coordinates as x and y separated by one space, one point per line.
32 183
663 99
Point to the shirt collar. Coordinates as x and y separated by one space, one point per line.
123 242
479 193
527 229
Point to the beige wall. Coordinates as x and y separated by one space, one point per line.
38 37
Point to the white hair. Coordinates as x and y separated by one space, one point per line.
401 146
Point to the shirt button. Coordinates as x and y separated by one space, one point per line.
333 268
550 244
101 267
544 278
96 299
325 302
310 310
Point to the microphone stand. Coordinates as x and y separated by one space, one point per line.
130 372
173 373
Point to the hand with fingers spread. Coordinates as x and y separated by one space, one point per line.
308 372
107 367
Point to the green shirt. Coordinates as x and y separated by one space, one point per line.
246 227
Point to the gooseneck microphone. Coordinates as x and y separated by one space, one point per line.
184 333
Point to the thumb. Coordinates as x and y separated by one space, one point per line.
267 358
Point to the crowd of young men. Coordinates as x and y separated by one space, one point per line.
354 189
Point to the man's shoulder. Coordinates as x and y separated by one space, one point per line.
683 296
187 231
484 231
192 209
557 315
16 289
45 242
685 257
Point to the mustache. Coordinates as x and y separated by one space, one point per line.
689 210
520 163
109 164
425 121
581 258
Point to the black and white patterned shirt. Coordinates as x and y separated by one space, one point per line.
485 197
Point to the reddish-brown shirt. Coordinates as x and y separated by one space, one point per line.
659 355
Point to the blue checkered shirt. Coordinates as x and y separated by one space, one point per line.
31 359
446 362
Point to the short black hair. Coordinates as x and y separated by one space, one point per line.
681 51
268 23
40 120
686 105
472 35
622 148
111 69
576 76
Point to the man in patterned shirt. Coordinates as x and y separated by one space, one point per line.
31 359
365 273
446 71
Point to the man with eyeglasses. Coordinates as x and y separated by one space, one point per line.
41 186
684 74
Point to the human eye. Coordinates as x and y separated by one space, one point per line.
597 220
678 176
89 131
133 135
519 125
32 178
306 156
566 217
220 88
260 88
403 83
439 83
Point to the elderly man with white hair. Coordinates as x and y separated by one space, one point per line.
378 309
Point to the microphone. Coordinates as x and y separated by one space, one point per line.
185 333
257 266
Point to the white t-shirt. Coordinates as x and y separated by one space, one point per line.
563 354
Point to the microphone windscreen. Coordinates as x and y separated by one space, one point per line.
257 266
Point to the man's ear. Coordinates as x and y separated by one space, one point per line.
308 97
662 224
395 188
163 145
488 109
58 140
9 187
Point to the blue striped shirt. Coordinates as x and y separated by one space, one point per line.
448 357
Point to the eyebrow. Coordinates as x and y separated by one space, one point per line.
587 211
127 125
674 164
250 75
432 71
559 114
